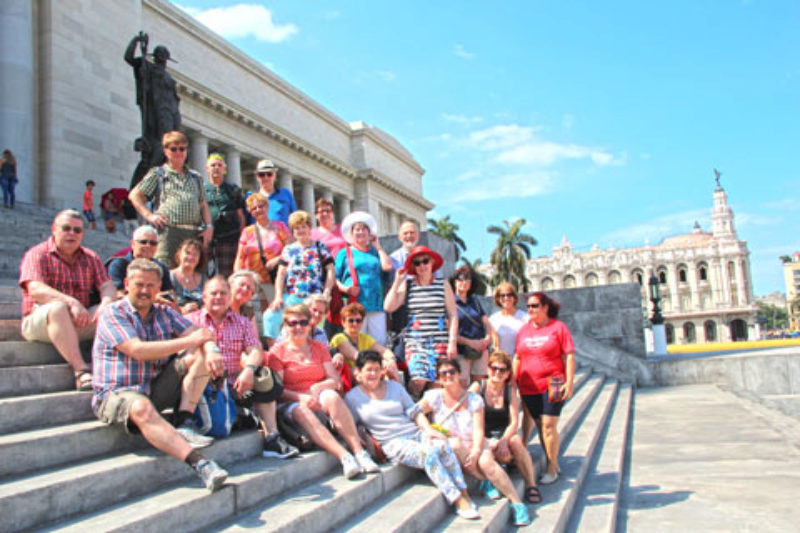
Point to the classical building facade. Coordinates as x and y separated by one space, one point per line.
704 277
68 111
791 276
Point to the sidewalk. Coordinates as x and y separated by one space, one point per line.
704 460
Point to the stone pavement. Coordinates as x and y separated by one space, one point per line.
704 459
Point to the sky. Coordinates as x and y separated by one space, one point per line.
601 121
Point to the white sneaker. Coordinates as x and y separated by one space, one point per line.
350 466
366 462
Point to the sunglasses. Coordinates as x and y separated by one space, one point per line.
464 278
174 149
534 306
423 261
499 369
354 320
451 372
265 174
506 295
77 230
147 241
294 323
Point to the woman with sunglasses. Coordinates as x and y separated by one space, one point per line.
346 345
432 326
544 369
404 433
501 417
474 329
189 276
460 414
260 247
507 321
309 384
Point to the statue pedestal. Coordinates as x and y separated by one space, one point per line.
659 339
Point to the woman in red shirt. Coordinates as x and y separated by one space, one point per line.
544 368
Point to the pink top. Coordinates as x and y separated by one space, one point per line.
298 376
273 240
332 239
540 352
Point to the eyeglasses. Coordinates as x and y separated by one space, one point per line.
66 228
147 241
463 278
257 207
294 323
324 211
451 372
174 149
499 369
423 261
506 295
534 306
354 320
265 174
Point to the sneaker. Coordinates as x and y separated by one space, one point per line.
211 473
276 446
195 439
547 478
350 466
470 513
366 462
489 490
520 514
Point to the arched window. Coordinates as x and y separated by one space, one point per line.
702 272
662 274
569 282
548 284
591 279
689 335
637 275
732 271
682 275
669 329
710 328
614 277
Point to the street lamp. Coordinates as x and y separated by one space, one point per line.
657 320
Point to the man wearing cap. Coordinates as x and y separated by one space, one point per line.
239 346
281 201
143 245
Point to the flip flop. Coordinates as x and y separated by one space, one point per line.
83 380
532 495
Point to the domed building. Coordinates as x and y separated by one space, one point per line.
706 289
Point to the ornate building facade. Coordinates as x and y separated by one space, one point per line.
791 276
704 277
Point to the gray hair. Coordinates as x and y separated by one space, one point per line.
70 213
317 297
244 273
146 229
143 265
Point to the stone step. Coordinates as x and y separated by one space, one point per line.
40 410
10 293
10 326
421 507
249 482
55 494
35 379
24 353
10 310
599 502
320 505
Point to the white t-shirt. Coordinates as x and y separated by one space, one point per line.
507 328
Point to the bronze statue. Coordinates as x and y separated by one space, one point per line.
717 176
158 102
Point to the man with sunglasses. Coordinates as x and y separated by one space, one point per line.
178 200
56 278
281 200
143 246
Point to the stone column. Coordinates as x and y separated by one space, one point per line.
342 206
285 180
234 162
694 289
17 118
361 192
741 287
328 195
306 203
198 153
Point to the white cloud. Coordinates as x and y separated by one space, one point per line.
501 137
386 75
461 52
462 119
244 20
476 186
653 231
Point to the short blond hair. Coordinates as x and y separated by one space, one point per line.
172 137
256 198
298 218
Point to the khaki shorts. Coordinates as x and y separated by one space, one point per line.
165 393
475 367
34 326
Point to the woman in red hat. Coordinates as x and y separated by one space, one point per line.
432 327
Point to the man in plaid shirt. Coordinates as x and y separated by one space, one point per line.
241 350
57 277
148 358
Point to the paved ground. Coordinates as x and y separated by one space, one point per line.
705 460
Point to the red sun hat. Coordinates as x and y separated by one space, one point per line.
422 250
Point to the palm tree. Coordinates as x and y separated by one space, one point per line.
447 230
510 254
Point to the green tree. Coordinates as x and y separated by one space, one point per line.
772 316
511 253
785 259
446 229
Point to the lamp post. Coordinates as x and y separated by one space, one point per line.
657 320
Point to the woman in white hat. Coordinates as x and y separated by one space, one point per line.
359 269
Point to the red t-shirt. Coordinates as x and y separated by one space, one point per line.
88 200
298 376
540 352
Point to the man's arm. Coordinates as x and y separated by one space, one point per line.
139 200
42 293
153 350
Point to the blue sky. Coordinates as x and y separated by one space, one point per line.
601 121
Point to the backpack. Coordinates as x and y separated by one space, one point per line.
216 411
161 174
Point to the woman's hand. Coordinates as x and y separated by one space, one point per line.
434 434
568 390
189 307
309 401
501 448
472 458
338 361
452 350
353 290
276 304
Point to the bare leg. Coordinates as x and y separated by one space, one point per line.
318 433
266 412
194 382
527 424
158 431
523 460
551 442
342 419
495 473
64 336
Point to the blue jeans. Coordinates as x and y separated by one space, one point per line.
8 191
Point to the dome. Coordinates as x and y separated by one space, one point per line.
688 240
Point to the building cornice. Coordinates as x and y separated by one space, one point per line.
359 129
378 177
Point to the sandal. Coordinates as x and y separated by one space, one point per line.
83 380
532 494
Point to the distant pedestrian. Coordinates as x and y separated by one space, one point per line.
8 177
88 205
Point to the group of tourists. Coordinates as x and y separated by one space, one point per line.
315 332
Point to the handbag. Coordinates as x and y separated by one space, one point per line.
556 389
216 410
372 446
468 353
